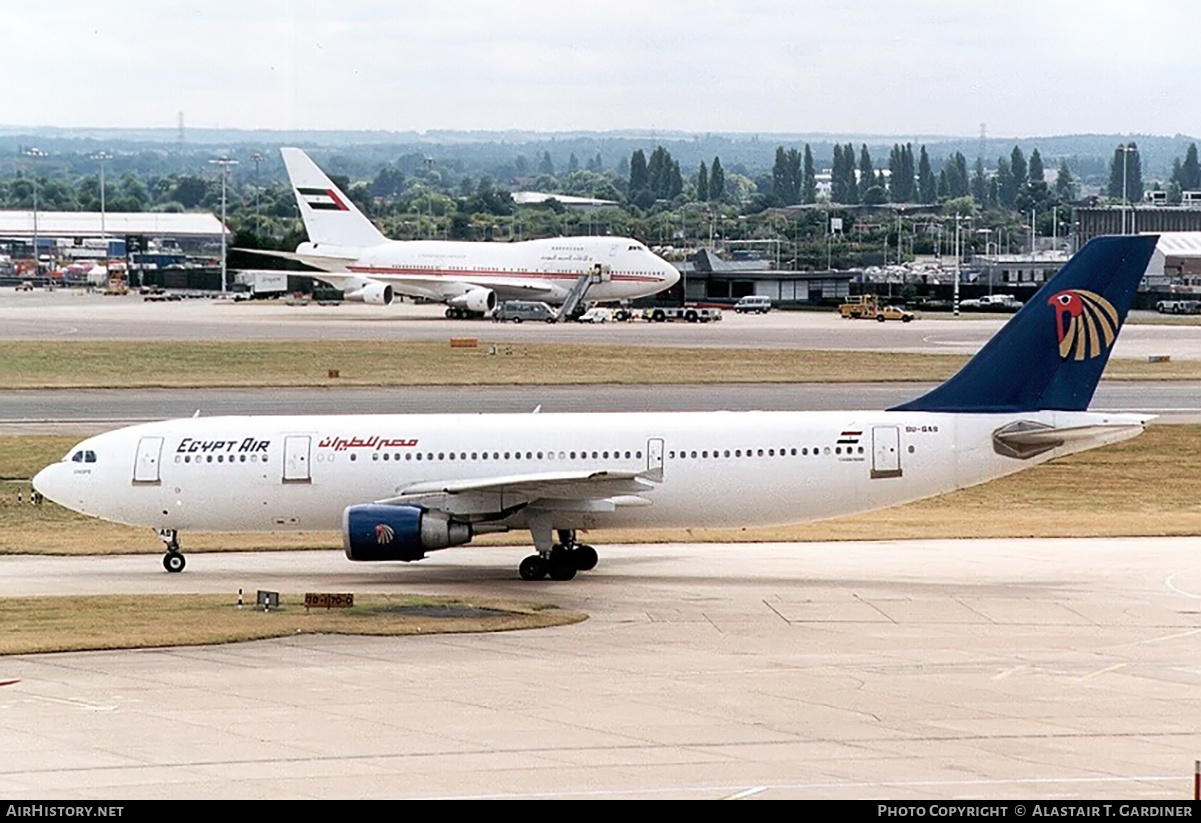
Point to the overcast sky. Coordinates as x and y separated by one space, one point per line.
1023 67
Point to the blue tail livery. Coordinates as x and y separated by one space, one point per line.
1051 354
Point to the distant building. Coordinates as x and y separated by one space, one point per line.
1090 222
708 278
1175 266
538 198
1017 272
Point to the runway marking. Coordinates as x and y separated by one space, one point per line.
1007 672
1106 670
1168 581
746 793
814 786
1176 636
75 704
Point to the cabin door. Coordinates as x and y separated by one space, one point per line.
145 469
886 452
296 459
654 458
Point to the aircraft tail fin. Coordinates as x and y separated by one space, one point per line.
329 215
1051 354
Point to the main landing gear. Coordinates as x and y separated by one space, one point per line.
173 560
560 561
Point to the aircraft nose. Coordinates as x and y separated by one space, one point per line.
671 275
49 482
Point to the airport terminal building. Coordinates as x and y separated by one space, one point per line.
708 279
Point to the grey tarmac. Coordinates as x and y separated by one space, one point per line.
923 669
68 315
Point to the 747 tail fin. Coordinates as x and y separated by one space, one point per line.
1051 354
330 218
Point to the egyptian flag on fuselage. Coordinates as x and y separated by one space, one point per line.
322 199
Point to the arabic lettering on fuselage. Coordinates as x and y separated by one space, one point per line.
375 442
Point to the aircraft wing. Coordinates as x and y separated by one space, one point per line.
546 489
505 288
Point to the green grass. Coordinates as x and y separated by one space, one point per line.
175 364
35 625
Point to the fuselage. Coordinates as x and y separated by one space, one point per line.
543 269
709 469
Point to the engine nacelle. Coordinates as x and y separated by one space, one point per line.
477 300
374 532
377 294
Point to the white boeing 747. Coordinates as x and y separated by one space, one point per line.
399 486
469 277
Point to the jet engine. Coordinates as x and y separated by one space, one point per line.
376 532
377 294
478 300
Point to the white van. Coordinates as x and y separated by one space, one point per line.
753 303
596 314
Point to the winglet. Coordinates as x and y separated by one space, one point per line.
1051 354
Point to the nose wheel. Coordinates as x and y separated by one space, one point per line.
173 560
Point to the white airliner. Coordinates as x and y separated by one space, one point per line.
399 486
469 277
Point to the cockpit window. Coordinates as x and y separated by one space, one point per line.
89 457
77 457
83 456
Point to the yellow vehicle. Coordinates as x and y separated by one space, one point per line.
893 313
859 308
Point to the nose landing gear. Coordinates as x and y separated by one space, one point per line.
173 560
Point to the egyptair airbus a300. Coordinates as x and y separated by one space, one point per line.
469 277
399 486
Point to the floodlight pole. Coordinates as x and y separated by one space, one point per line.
1126 149
36 154
102 157
224 163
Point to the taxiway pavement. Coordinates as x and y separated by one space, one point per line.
923 669
69 315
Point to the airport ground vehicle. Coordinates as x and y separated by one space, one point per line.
756 303
521 310
893 313
991 302
859 308
689 314
1178 307
596 314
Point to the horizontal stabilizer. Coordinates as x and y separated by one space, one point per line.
1024 439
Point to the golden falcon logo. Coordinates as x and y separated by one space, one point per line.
1086 322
